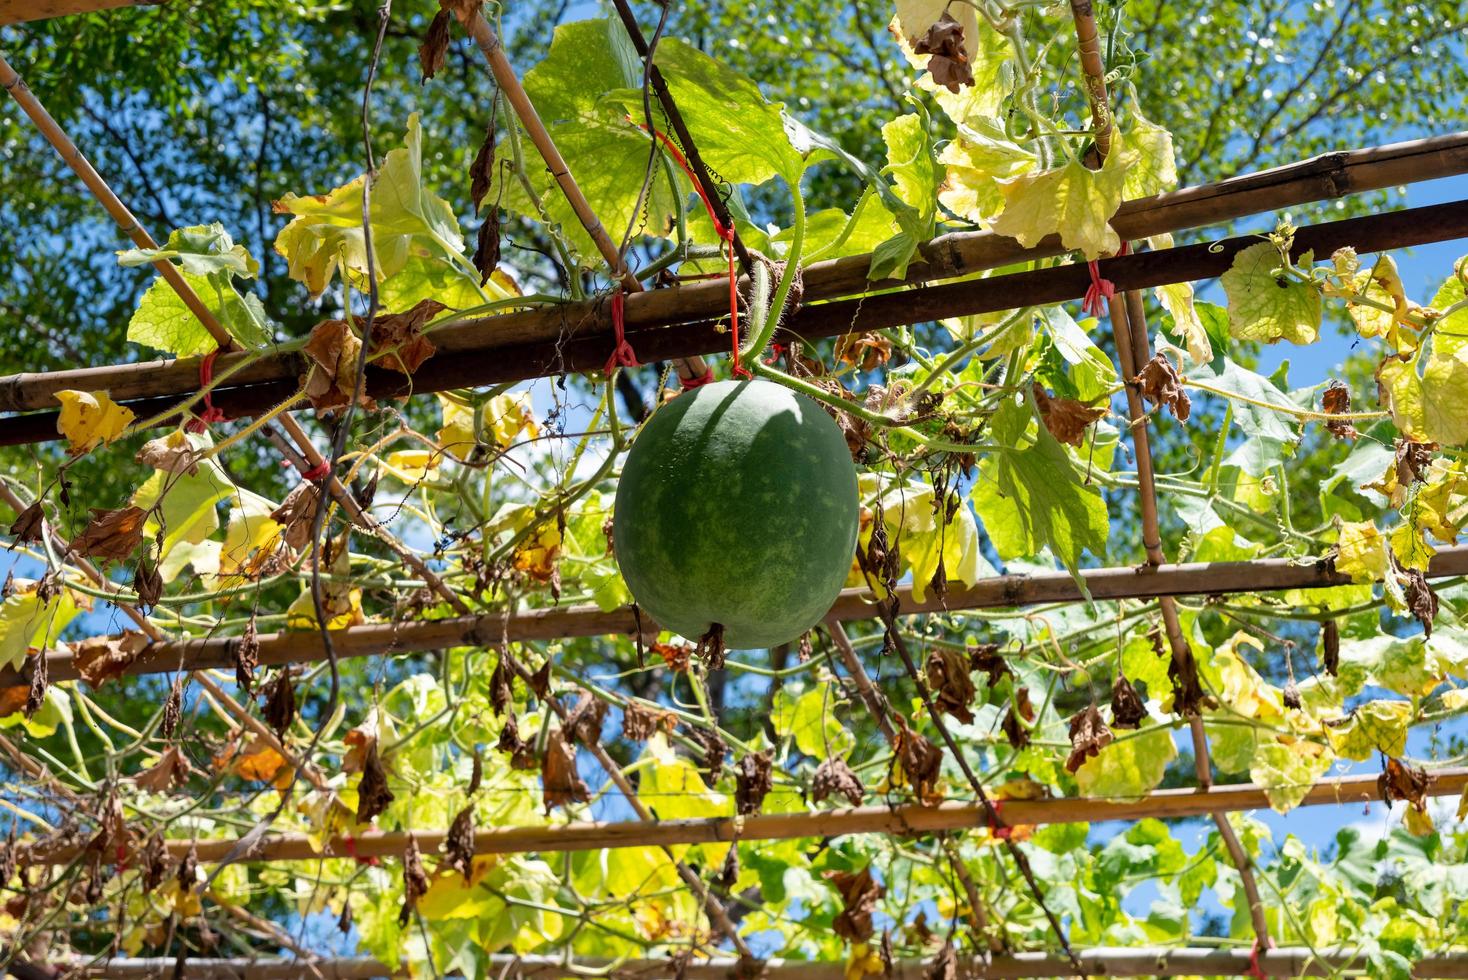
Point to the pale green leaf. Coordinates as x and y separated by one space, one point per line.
1288 770
1071 201
1267 307
1128 768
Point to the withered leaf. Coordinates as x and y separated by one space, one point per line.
502 682
172 709
112 535
415 879
373 794
540 681
710 648
1088 736
866 351
476 774
715 750
1421 599
561 784
172 453
188 869
487 246
948 677
640 722
280 701
1127 708
148 582
985 658
676 656
860 893
35 696
458 845
26 529
481 171
752 782
948 62
921 761
1337 401
1016 720
583 722
397 338
1188 694
729 873
1330 647
297 513
102 658
246 654
433 52
333 350
1412 460
1161 386
171 770
834 777
1400 781
153 860
1066 418
1291 696
944 965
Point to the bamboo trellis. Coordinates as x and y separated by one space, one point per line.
1100 961
676 324
896 819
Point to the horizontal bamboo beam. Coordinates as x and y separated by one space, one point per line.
576 337
999 592
1165 804
1100 961
21 11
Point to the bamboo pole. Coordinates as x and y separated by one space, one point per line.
1166 804
999 592
1101 961
484 36
512 336
494 351
21 11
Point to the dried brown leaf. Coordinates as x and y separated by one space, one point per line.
860 893
948 678
172 709
373 794
583 722
481 171
297 514
1330 647
111 535
715 750
1421 599
948 62
246 654
1337 401
102 658
172 453
433 52
1401 781
640 722
985 658
1088 736
458 844
333 349
561 784
28 524
280 701
834 777
752 782
487 246
398 343
1066 418
945 965
170 771
866 351
1161 385
415 880
921 762
148 582
1016 720
1127 708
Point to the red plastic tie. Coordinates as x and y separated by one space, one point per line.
351 847
997 827
317 472
622 355
1101 289
775 351
707 378
1255 969
210 415
726 235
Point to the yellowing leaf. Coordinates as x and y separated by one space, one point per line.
1071 201
90 419
975 163
1287 769
1362 552
1155 166
413 465
1384 285
1177 300
1376 726
508 419
1266 307
1129 768
1429 407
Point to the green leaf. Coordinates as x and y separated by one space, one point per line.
1451 332
187 513
1033 497
1267 307
200 250
811 719
163 322
674 789
1269 437
408 220
1129 768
